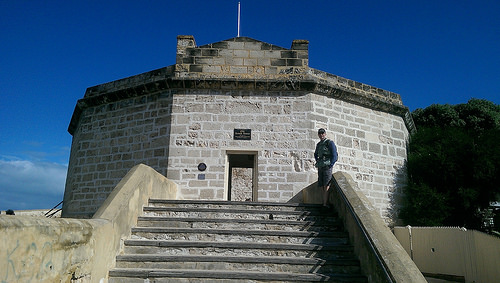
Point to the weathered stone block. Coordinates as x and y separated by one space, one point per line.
226 53
300 44
193 52
235 45
250 62
302 55
273 54
205 193
196 68
220 45
238 70
397 134
211 69
202 60
257 54
253 45
270 71
241 53
209 52
186 60
375 148
278 62
288 54
263 62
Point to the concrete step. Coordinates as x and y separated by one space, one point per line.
219 241
235 205
261 236
330 251
238 213
136 275
242 263
228 223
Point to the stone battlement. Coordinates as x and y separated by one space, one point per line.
248 64
239 57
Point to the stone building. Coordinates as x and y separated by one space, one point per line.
236 120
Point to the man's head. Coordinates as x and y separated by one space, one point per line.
322 134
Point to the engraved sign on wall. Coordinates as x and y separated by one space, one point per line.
242 134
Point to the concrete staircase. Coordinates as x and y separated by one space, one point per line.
219 241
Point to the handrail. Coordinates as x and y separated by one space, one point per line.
362 228
48 214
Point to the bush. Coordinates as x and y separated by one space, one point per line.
453 164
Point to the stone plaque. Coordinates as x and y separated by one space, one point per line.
242 134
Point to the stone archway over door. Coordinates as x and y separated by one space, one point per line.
242 176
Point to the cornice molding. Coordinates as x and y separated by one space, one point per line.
162 80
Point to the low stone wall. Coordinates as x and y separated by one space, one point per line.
366 230
36 249
36 212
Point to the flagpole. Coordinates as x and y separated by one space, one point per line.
239 19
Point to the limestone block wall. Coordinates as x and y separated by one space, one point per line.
371 146
240 57
173 133
110 139
176 130
202 131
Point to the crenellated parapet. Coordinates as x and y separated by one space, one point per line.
240 57
246 64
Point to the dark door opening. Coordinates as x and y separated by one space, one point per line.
242 176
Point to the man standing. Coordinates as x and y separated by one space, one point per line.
325 156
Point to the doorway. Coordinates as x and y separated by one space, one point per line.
241 172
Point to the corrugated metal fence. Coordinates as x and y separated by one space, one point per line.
453 251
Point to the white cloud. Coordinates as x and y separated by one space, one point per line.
28 184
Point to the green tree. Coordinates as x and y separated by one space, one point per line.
453 164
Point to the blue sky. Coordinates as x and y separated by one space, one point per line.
51 51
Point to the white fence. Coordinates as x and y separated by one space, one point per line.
453 251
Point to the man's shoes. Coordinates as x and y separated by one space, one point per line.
325 208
